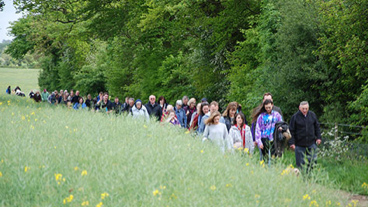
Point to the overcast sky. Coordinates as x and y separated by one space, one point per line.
6 16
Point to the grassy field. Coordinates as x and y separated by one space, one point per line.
26 79
52 156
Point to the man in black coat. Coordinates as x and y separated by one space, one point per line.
305 136
153 108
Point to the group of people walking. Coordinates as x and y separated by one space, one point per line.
229 130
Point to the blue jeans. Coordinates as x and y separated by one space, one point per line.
310 152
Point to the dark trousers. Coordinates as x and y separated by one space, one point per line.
308 154
267 145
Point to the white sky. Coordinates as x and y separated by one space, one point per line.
6 16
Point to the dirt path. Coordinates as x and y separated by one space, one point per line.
362 200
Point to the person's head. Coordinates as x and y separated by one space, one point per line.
214 106
266 96
161 100
185 100
71 93
179 104
239 120
44 90
267 106
152 99
89 97
169 107
37 92
192 103
304 107
56 92
214 118
65 91
61 92
205 108
77 93
171 113
100 94
131 102
80 100
204 100
66 95
199 107
138 104
106 97
116 100
127 100
230 109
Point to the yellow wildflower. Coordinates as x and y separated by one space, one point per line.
36 119
104 195
328 203
187 132
365 185
26 168
257 196
1 103
99 205
2 161
58 177
85 203
355 202
306 196
76 168
202 151
68 199
84 172
262 162
162 187
247 164
246 150
145 126
155 192
66 127
313 203
23 117
213 187
1 174
228 185
33 113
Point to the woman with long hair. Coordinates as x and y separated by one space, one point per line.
229 114
193 125
240 134
163 104
216 132
265 126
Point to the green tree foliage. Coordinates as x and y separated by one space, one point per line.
233 50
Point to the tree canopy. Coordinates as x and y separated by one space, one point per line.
224 50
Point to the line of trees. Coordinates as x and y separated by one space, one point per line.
225 50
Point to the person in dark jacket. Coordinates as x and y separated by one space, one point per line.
116 105
75 99
229 114
305 136
153 108
128 108
37 97
89 101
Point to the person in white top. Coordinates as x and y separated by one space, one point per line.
216 132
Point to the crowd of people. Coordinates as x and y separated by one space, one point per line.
229 130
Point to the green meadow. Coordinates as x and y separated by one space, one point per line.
26 79
53 156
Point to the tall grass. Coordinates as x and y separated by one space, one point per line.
52 155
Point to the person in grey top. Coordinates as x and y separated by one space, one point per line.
216 132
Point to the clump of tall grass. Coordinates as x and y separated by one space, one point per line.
52 156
